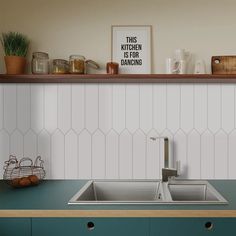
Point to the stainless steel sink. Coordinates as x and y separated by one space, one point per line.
119 192
192 191
147 192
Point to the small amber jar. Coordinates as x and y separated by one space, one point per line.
112 68
60 66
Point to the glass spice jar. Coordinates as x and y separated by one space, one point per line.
60 66
40 63
77 64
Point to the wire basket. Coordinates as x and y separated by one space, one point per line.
23 173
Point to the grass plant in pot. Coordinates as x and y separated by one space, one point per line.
15 46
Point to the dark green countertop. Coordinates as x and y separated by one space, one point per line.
53 196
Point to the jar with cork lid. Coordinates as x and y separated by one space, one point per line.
78 64
40 63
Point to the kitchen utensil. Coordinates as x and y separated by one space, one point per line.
223 64
23 173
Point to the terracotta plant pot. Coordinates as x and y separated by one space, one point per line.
15 64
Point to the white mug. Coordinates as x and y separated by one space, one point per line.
176 67
171 66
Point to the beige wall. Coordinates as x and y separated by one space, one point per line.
64 27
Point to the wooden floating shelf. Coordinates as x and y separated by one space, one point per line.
120 78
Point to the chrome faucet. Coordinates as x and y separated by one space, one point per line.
167 172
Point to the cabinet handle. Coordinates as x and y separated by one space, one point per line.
209 225
90 225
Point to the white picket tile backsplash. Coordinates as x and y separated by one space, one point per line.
186 108
146 108
214 108
221 153
4 147
37 108
208 155
232 155
91 107
71 151
50 107
173 106
17 144
44 149
85 155
159 106
23 108
112 155
98 155
58 155
30 144
194 155
105 108
200 106
152 156
9 108
64 108
126 155
139 155
227 108
103 130
1 106
78 107
119 107
132 108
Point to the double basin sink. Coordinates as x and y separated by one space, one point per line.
147 192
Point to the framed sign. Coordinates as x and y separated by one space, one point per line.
131 48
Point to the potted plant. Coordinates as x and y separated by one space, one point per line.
15 46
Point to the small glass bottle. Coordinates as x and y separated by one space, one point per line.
60 66
40 63
77 64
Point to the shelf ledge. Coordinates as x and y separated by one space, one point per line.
120 78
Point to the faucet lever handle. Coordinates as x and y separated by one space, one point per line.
178 167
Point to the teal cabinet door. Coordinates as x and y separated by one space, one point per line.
56 226
15 226
115 227
193 227
90 226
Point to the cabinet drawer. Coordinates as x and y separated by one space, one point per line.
15 226
90 226
193 227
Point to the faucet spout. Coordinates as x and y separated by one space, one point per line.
167 172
